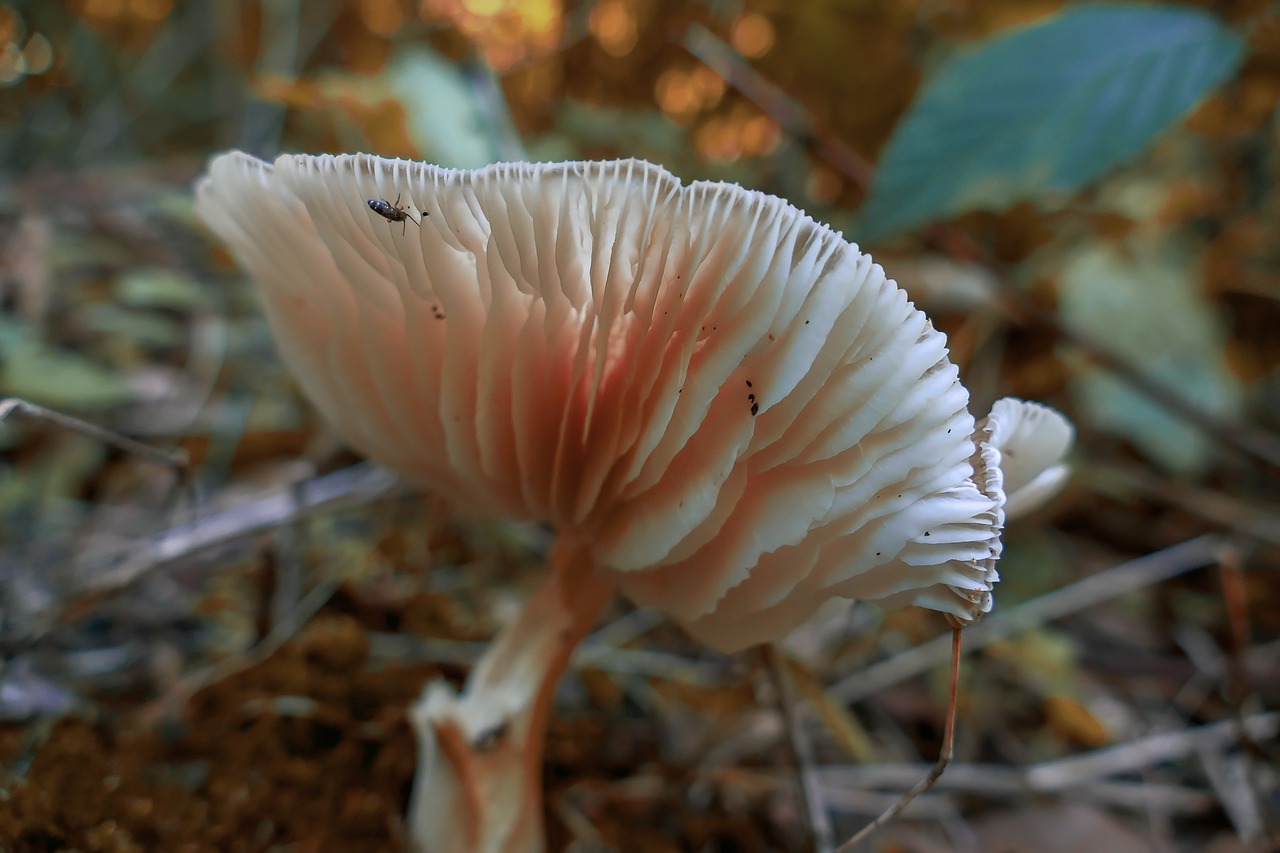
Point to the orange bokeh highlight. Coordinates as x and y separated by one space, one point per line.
106 10
12 27
504 31
383 17
759 135
752 35
682 94
38 54
613 24
151 10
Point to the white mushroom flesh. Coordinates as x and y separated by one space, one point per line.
730 403
1020 464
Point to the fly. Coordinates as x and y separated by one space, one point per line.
393 212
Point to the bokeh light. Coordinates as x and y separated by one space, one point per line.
12 27
683 93
151 10
823 185
21 56
103 10
383 17
752 35
675 95
12 65
504 31
38 54
759 135
613 23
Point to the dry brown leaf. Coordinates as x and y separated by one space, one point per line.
1072 720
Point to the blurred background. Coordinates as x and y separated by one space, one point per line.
1087 205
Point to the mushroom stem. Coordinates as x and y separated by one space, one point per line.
478 787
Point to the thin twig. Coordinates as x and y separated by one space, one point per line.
1110 583
1230 779
281 633
1007 787
789 113
815 809
861 789
405 648
180 44
944 758
221 535
289 544
1236 598
1064 774
1238 792
1145 752
358 484
1247 515
618 632
175 459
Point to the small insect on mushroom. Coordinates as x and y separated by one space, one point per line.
393 212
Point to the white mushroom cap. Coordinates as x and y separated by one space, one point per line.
728 403
1020 465
1027 443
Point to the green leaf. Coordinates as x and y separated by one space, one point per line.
1043 109
445 120
1146 305
148 287
59 379
148 328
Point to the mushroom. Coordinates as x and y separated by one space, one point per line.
724 410
1018 463
1025 445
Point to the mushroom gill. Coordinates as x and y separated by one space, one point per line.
728 404
722 407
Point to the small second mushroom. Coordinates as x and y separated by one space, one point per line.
724 409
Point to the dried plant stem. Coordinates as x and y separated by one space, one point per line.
359 484
1140 573
1235 597
948 744
175 459
790 114
478 787
801 751
170 704
1089 777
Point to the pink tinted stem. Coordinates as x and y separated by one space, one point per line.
478 787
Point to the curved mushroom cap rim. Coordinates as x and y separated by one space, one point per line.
648 366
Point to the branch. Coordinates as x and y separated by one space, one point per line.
1105 585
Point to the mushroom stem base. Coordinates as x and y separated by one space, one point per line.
478 787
